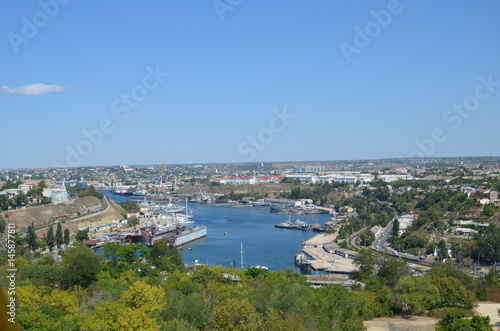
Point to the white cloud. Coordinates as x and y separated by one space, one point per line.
33 89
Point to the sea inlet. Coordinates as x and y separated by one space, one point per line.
231 228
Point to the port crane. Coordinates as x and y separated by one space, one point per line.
204 197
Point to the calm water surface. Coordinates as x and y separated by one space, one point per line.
263 244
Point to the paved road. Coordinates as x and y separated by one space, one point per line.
381 244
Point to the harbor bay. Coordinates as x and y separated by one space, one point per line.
231 227
263 244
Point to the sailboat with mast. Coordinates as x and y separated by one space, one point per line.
242 263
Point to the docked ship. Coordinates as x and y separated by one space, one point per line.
281 208
297 225
140 193
181 235
189 235
121 191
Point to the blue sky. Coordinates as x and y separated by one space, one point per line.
246 81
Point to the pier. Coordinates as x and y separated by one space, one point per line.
329 262
320 239
323 259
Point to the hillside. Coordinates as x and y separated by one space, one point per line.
264 190
78 213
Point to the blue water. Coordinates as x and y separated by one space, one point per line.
118 198
263 244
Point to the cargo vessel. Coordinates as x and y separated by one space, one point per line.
181 235
189 235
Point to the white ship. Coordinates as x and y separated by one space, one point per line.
190 235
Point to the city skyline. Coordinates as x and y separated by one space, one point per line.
97 84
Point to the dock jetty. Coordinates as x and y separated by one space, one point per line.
328 256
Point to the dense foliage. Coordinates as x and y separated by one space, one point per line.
80 191
129 205
137 288
318 193
133 287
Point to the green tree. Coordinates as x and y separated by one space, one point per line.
37 190
395 228
135 310
164 257
133 221
443 250
20 200
416 295
129 253
4 202
50 238
82 235
489 210
234 314
46 201
32 238
454 294
178 324
368 262
488 245
80 191
455 321
80 266
59 235
9 184
3 224
393 270
129 205
66 237
109 251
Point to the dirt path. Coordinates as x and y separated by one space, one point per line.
416 323
420 323
320 239
489 309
